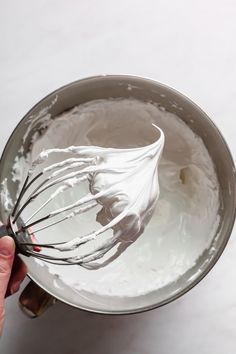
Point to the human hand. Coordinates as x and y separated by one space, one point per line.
12 273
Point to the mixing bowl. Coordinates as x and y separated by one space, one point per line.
102 87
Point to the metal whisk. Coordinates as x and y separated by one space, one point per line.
90 163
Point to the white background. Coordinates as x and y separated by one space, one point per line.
190 45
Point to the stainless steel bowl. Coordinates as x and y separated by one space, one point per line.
143 89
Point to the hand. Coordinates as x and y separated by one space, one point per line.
12 272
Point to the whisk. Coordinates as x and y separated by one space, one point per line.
113 176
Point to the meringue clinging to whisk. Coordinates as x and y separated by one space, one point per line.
123 181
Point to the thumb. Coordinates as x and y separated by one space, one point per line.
7 252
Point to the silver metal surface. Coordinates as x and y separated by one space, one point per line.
101 87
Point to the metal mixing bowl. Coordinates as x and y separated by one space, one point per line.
143 89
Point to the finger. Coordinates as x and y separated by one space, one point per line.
19 271
7 252
18 274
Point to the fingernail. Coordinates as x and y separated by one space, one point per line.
7 246
15 287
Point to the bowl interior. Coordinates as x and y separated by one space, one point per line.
145 90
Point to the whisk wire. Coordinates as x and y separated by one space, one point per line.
111 217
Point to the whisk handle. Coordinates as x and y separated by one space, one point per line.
8 230
3 231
